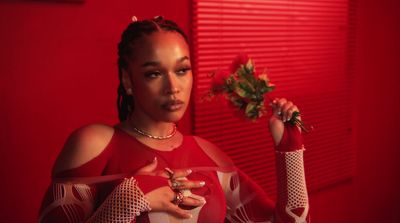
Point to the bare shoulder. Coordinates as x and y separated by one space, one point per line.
83 145
214 152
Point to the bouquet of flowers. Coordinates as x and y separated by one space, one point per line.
246 89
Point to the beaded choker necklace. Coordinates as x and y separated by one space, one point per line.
143 133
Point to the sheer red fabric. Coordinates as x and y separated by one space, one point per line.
231 196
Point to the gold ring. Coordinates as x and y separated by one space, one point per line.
175 185
178 199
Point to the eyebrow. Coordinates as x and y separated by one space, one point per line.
183 59
156 63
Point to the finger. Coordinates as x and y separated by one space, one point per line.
151 167
181 173
285 110
278 103
173 174
167 173
275 107
188 201
186 184
177 211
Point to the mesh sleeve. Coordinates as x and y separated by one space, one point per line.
292 205
67 203
123 205
247 202
74 203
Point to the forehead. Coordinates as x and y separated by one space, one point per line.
161 45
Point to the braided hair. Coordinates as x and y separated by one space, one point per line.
133 32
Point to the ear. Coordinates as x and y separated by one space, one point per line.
126 81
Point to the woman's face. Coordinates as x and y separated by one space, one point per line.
160 76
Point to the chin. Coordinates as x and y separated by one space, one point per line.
170 117
175 118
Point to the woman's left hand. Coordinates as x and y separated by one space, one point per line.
282 112
179 175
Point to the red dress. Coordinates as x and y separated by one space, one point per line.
229 194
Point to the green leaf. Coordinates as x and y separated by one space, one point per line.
266 89
247 88
249 67
238 102
250 107
231 84
239 91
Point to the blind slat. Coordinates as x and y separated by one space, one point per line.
305 46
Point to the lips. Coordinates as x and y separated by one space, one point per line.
173 105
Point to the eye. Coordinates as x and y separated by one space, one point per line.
183 71
152 74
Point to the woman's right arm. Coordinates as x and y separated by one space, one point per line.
83 156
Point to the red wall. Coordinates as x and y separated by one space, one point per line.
377 110
373 195
58 72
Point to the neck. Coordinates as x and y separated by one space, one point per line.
150 126
154 128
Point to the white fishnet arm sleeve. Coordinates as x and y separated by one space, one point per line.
292 205
74 203
67 203
123 205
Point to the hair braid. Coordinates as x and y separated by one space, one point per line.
133 32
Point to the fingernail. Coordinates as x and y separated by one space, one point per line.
189 215
155 159
189 171
279 112
202 183
202 202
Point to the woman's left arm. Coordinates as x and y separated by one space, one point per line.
246 201
292 204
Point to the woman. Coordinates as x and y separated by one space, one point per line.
144 170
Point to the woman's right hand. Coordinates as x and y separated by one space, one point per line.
161 199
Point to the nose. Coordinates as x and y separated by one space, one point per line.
171 86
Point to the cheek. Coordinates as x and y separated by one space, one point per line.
145 95
189 84
145 89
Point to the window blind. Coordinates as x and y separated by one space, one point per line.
306 47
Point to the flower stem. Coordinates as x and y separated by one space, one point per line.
296 121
